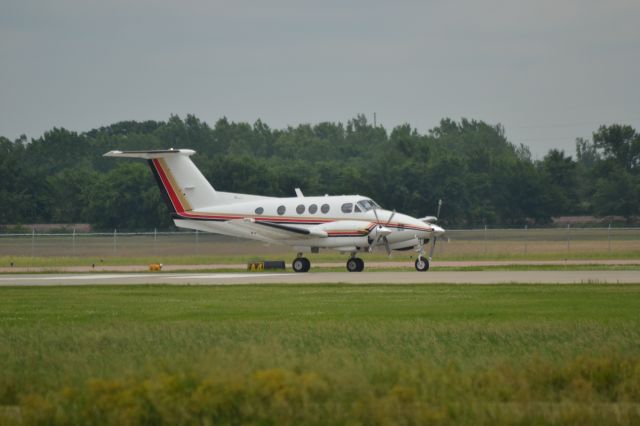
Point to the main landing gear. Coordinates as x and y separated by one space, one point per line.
355 264
301 264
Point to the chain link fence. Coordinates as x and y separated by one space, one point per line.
455 243
566 241
123 244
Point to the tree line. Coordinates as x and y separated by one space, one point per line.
483 179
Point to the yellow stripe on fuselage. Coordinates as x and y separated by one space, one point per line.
176 188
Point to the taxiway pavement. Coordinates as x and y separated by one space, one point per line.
431 277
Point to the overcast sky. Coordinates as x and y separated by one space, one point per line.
548 70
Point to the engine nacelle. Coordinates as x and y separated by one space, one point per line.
429 219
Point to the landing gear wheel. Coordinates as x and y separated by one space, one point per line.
422 264
355 264
301 264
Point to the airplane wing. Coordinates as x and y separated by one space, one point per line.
277 231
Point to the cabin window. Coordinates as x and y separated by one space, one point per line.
347 207
325 208
300 209
259 210
357 209
313 208
367 205
281 210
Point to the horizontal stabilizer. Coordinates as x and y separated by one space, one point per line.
150 154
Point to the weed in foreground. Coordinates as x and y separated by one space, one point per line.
603 390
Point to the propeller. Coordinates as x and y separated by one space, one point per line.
433 219
433 246
435 231
382 232
393 213
434 237
375 212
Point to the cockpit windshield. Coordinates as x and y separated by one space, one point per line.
367 205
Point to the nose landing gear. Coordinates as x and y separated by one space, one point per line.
422 263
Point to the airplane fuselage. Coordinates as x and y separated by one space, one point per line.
347 226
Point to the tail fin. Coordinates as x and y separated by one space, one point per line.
183 186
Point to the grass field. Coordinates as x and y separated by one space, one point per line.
325 354
185 248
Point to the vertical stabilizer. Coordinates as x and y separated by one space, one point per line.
184 188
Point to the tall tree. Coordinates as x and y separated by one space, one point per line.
560 173
620 143
483 178
617 194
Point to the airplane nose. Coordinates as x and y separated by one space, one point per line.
438 231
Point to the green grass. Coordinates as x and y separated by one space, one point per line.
321 354
202 249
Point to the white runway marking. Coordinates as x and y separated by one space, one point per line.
221 276
119 277
68 277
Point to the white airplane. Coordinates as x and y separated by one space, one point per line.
347 223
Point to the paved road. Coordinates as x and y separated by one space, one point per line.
431 277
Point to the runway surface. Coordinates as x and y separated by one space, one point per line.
431 277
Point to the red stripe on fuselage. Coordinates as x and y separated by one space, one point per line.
294 221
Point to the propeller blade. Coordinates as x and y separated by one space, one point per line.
387 247
393 213
375 212
439 206
375 240
433 246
